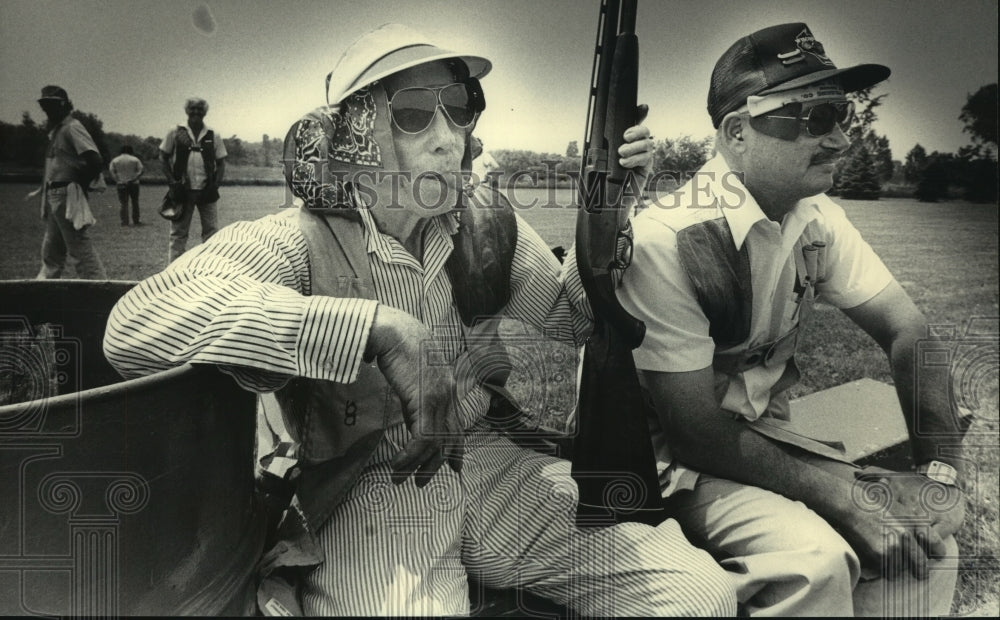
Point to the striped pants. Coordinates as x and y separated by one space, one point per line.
507 520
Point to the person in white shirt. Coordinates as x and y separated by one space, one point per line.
126 170
724 274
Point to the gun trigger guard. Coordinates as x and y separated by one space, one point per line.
623 253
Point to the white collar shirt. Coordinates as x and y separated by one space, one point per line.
657 290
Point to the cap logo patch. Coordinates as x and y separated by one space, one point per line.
807 44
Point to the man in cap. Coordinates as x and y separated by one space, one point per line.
194 161
371 312
723 278
72 162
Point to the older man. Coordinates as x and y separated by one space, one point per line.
724 276
357 308
194 161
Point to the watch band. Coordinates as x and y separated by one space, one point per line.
939 472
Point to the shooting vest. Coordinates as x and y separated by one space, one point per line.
183 145
721 278
338 426
720 275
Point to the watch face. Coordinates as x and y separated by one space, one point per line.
939 472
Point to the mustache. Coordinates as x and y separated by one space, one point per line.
825 158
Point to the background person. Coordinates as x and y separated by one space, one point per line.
126 170
358 308
193 157
724 278
72 162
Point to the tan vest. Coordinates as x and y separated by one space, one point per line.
337 425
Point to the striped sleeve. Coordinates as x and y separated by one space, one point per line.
575 293
545 294
241 302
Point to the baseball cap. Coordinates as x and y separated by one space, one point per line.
775 59
389 49
53 92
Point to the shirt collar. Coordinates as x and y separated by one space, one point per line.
796 220
734 200
65 121
204 130
741 210
389 250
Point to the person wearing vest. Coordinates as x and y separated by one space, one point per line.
72 162
194 161
369 308
724 275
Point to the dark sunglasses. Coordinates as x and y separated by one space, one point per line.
818 120
413 109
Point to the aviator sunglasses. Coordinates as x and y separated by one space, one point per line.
818 120
413 109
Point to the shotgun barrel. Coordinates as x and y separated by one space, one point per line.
613 461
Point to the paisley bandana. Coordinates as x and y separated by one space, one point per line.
332 149
343 133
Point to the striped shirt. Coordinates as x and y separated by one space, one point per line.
242 301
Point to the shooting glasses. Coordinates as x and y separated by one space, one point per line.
413 109
818 120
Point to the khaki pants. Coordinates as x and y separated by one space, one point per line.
785 560
61 239
207 213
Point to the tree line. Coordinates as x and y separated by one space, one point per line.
971 173
22 146
675 159
863 173
866 172
973 169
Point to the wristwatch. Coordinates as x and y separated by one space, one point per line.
939 472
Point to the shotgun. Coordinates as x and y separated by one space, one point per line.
613 461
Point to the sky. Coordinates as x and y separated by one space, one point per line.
262 65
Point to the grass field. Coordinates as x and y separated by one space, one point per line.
944 255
